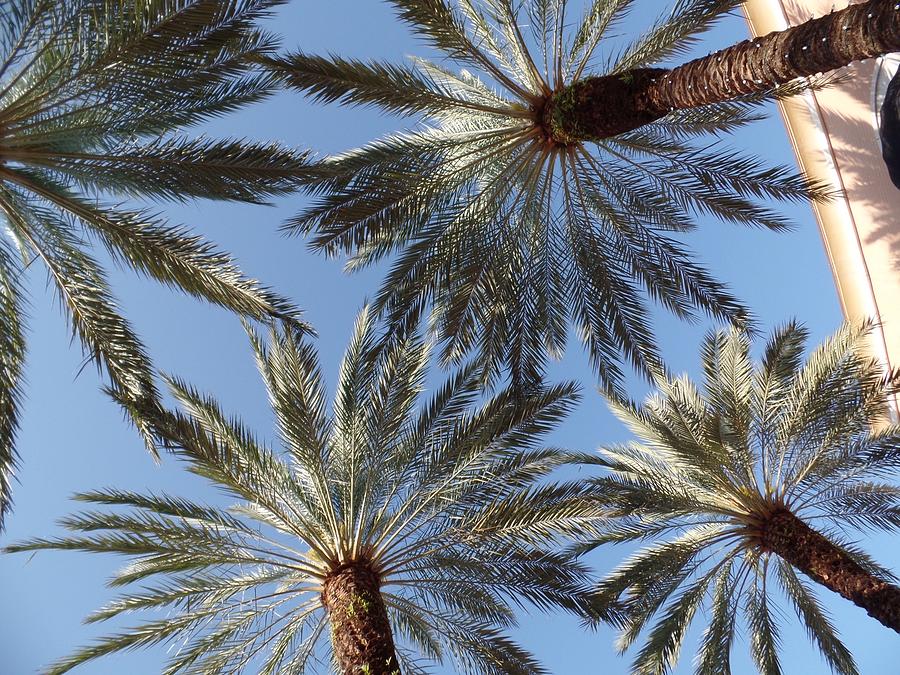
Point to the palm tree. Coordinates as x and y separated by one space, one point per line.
91 93
384 521
534 194
749 480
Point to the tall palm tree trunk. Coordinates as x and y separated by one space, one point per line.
789 537
599 107
360 631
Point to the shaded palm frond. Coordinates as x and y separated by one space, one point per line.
12 358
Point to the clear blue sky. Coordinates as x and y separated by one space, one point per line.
73 439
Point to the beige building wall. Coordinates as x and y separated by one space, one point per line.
835 137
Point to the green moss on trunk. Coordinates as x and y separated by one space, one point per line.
600 107
360 630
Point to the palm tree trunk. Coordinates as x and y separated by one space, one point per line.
789 537
360 631
599 107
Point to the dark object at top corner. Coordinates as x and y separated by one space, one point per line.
890 129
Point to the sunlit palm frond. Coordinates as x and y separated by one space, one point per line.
712 464
508 232
448 500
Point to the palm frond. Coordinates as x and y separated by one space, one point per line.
674 34
12 358
818 623
94 96
85 294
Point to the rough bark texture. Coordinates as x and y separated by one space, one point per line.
789 537
599 107
360 631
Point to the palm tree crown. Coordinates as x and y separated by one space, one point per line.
90 93
734 478
510 228
383 520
